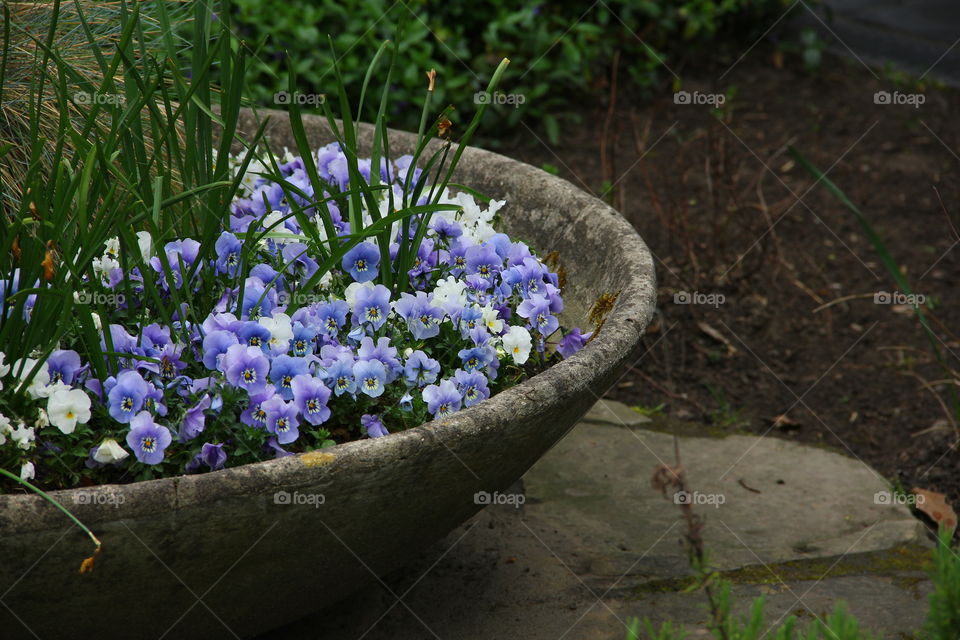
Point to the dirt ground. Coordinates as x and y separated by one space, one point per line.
776 314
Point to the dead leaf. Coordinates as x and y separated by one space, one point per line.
902 309
443 126
48 267
87 565
783 421
666 476
934 505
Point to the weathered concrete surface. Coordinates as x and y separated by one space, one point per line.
765 499
259 560
612 412
594 546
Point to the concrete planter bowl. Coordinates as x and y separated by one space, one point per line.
230 554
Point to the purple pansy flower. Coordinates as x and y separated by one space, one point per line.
63 365
331 316
373 426
372 306
281 419
420 369
483 261
383 352
370 376
215 344
126 397
361 262
170 363
228 248
442 399
311 396
476 357
153 401
573 342
211 455
147 439
536 309
254 415
422 317
303 339
283 369
258 300
473 386
246 367
193 421
340 376
254 334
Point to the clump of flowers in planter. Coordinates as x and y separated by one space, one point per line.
316 334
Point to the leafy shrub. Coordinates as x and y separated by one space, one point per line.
558 50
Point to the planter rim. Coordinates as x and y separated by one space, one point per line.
619 335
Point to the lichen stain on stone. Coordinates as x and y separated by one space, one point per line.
552 260
600 309
316 458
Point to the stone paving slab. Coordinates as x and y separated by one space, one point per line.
593 546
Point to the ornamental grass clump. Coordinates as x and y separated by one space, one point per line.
260 305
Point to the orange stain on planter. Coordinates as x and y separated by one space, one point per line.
316 458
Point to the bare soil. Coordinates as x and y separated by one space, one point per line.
773 314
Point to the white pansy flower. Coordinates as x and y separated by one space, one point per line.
109 452
482 232
23 436
5 428
491 319
112 249
38 386
145 243
67 407
103 266
27 472
275 222
43 420
281 331
517 343
450 291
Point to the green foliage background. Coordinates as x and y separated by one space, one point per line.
559 51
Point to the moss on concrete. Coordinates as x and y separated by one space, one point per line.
906 566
